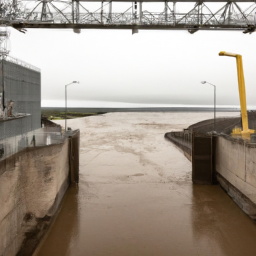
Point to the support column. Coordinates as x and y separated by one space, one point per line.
110 12
141 13
135 12
43 12
76 16
166 10
229 14
174 13
101 13
198 13
202 16
77 12
73 11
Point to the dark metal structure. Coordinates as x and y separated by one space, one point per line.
203 159
122 14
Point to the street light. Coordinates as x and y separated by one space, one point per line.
74 82
204 82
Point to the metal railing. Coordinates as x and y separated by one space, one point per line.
41 137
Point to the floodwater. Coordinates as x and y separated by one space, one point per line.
136 198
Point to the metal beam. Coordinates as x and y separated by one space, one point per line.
75 14
179 1
106 26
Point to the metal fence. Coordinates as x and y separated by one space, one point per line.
182 139
36 138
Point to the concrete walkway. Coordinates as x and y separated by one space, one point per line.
136 198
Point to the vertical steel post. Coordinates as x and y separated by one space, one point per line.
135 13
198 13
229 14
174 13
214 108
166 10
110 12
66 108
201 13
73 12
141 14
77 12
43 11
3 84
101 13
132 11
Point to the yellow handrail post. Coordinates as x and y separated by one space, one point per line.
241 86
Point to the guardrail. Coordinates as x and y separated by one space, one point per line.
37 138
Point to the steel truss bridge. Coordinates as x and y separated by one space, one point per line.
122 14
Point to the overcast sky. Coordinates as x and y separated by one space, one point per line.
159 67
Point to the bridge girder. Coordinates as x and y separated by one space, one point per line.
76 14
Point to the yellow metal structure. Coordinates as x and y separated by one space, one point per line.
241 85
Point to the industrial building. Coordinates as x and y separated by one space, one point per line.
20 101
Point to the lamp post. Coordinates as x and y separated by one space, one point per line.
74 82
204 82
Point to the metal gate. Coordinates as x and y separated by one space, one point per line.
203 159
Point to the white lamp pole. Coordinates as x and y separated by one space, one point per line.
204 82
74 82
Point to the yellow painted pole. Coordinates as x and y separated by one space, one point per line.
241 86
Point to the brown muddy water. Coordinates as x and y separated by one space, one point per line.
136 198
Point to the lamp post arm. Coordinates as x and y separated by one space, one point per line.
68 84
211 84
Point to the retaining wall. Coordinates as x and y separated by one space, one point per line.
32 184
236 171
183 141
235 166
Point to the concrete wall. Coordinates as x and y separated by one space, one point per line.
183 141
32 184
236 166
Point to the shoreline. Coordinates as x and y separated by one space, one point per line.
159 109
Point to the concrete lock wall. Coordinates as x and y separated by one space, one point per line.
236 172
32 184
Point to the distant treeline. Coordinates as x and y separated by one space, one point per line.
167 109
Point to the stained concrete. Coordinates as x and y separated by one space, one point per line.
235 162
32 184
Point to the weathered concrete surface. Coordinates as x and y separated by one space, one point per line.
246 204
236 164
32 184
136 198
